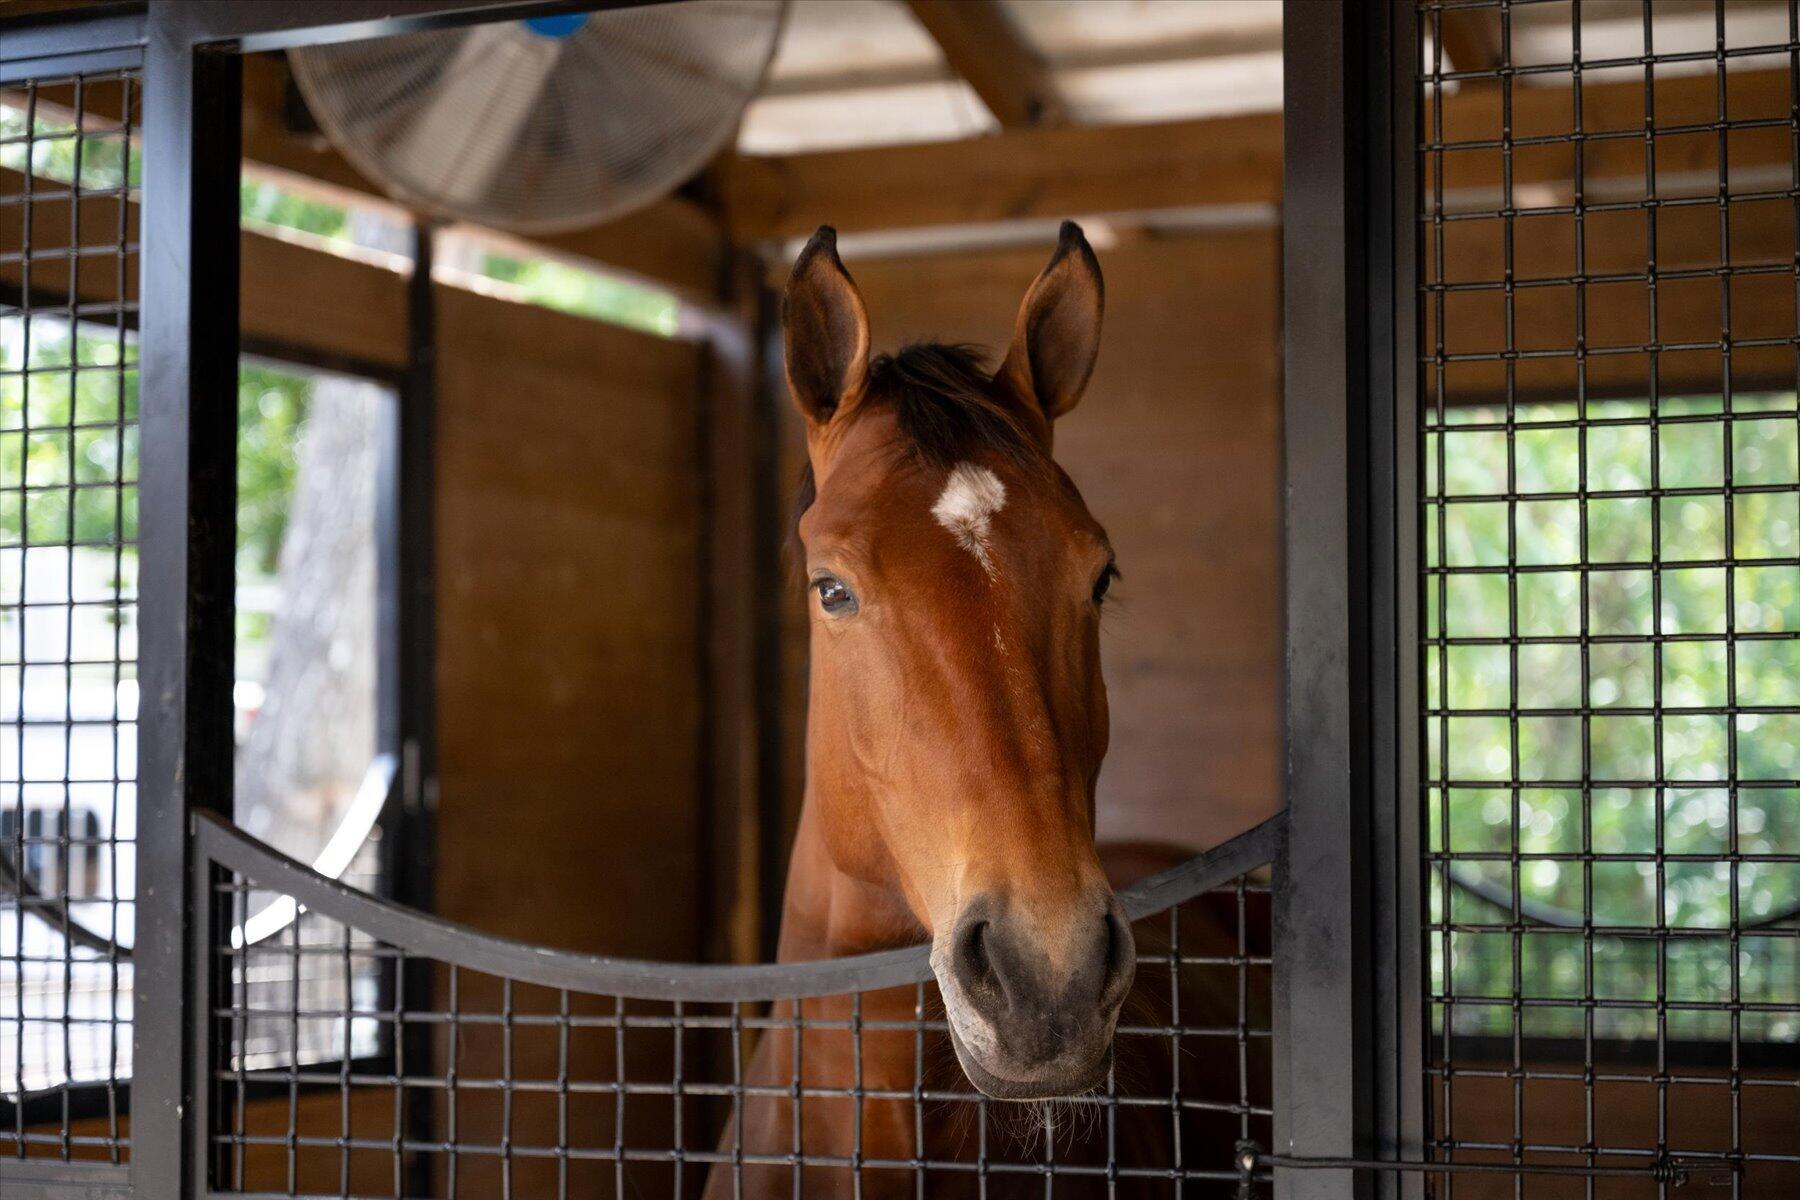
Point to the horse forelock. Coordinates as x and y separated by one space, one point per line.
947 409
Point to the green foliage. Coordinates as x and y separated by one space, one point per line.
107 159
67 430
272 406
271 410
263 203
1700 713
104 157
585 293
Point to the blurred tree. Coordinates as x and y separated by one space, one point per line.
308 500
1592 710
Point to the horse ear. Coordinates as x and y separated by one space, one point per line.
1057 335
826 331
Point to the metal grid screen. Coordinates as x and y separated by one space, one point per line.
68 569
547 1086
1611 594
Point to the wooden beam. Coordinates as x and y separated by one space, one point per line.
1471 37
1222 42
1027 173
326 305
738 555
673 242
987 49
1074 170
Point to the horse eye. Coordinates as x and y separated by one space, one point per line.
1104 583
834 597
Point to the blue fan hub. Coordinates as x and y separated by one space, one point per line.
560 26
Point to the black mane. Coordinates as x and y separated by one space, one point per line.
945 403
947 408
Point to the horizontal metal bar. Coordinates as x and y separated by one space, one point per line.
1572 67
258 27
1253 848
467 1151
1642 420
1456 499
65 44
277 1083
38 1179
416 933
1251 1159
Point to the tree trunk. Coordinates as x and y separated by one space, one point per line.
311 742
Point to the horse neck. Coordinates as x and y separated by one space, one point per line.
828 913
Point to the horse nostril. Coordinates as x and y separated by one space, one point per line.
974 970
1121 958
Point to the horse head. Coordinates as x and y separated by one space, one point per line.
957 716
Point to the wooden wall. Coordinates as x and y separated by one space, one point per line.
567 551
1177 449
568 526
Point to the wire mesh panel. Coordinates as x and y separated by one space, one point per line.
68 569
559 1079
1611 519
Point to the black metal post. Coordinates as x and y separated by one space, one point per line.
1346 942
1400 1030
775 833
187 493
187 490
412 855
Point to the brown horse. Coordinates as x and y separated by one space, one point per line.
957 721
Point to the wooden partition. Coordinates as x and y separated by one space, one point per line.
567 559
568 563
1176 448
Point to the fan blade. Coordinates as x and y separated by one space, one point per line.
471 118
509 128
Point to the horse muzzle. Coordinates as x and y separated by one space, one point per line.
1032 1010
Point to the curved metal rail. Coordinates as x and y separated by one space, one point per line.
415 933
53 911
373 794
1540 913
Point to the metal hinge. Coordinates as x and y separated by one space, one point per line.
417 793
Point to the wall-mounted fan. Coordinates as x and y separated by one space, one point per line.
545 124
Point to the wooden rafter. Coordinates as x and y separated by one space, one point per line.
673 242
1077 170
986 48
1471 38
1025 173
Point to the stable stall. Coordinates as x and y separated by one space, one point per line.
405 667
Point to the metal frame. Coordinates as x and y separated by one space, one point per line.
110 36
1348 1020
1517 1038
111 241
189 343
1347 1016
189 349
